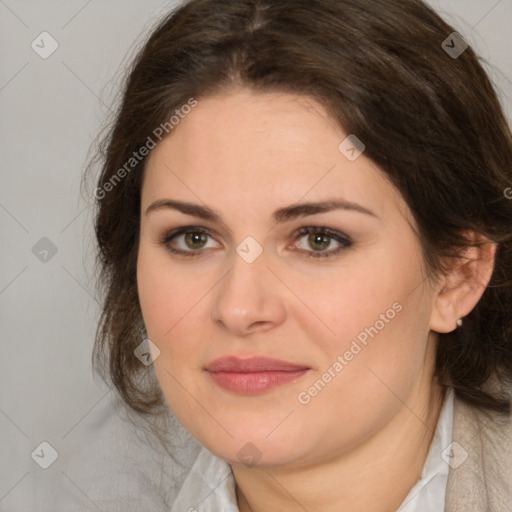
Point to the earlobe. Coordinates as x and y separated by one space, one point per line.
462 287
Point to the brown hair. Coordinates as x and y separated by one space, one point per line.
432 122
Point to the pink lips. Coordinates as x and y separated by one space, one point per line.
253 375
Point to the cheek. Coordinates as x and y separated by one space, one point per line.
169 304
374 316
371 362
176 311
165 295
341 303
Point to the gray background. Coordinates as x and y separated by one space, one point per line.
50 111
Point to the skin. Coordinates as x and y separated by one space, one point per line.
360 443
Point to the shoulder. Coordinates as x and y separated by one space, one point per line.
110 460
480 472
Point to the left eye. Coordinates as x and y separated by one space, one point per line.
319 239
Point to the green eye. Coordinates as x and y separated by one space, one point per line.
320 238
195 239
319 242
190 241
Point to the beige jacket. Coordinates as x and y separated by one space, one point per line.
481 479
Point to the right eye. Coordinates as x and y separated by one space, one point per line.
187 241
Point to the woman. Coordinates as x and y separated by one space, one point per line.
304 230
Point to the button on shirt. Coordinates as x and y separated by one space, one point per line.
210 484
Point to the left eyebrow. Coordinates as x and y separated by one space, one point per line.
281 215
302 210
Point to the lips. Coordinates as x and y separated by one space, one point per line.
252 364
253 375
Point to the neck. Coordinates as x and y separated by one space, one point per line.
348 482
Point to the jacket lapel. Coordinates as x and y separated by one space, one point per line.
480 481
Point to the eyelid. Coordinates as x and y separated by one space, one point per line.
332 233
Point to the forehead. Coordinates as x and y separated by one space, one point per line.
278 147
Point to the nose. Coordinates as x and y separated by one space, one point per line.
249 298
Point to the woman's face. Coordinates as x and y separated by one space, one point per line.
345 308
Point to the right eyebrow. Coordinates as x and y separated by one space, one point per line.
195 210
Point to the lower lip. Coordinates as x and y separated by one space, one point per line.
249 383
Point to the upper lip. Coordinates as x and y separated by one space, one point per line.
252 364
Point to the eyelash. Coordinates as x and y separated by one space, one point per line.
338 237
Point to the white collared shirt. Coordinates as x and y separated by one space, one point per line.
210 484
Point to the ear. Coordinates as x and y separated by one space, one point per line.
459 291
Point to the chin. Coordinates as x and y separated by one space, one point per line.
252 446
251 454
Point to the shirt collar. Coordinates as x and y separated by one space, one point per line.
429 491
